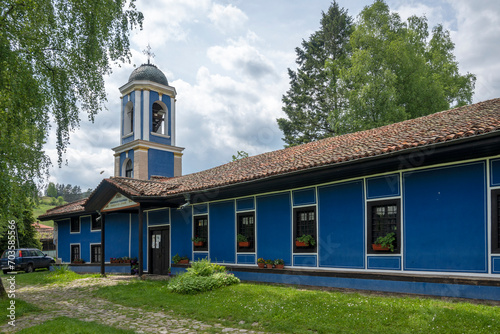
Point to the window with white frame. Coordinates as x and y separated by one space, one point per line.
383 219
75 252
246 232
304 228
495 221
75 225
95 253
200 229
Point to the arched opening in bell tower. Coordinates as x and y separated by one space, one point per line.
128 124
160 118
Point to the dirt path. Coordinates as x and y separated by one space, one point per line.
74 300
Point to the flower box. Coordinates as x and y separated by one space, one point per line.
301 244
183 262
244 244
198 243
378 247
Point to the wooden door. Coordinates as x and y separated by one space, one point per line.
159 251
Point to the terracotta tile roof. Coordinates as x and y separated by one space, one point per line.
44 231
445 126
458 123
73 207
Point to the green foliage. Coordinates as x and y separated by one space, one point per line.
65 325
177 258
274 308
279 261
240 155
61 269
53 56
307 239
27 235
387 241
396 73
314 104
186 284
383 70
22 308
198 239
49 277
200 277
51 190
241 238
205 268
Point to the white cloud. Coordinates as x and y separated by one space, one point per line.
169 20
227 19
220 115
477 44
240 56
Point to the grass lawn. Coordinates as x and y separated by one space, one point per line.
64 325
292 310
46 277
22 307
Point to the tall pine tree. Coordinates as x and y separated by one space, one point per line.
313 104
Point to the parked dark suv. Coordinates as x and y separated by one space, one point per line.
27 259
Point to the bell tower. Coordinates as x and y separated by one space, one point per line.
147 126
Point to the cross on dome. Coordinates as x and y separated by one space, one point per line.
148 53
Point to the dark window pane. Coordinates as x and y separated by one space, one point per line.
246 227
75 224
384 220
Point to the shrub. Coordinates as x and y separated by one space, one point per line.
202 276
204 268
187 284
61 269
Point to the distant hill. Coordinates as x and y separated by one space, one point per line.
45 204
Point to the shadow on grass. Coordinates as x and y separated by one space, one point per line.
64 325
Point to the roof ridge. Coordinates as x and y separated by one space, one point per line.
65 205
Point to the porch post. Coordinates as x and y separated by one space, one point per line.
141 235
103 268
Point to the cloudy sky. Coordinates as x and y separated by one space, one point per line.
228 61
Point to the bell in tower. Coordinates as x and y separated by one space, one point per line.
147 123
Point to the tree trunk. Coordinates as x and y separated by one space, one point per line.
3 293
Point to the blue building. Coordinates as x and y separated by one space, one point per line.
432 183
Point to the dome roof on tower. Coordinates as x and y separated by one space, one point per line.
148 72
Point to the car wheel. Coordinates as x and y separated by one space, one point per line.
29 268
5 271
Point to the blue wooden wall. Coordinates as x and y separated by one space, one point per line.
445 219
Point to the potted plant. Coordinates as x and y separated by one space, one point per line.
385 243
305 240
279 263
198 242
261 262
78 261
112 260
269 264
242 241
180 259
